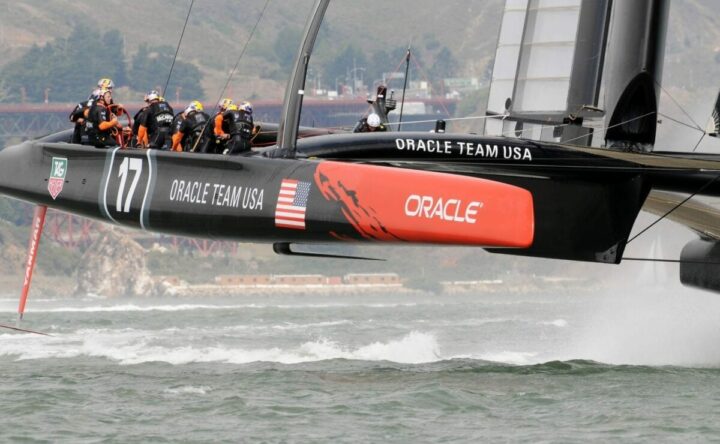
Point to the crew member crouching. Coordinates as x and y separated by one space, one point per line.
220 126
194 133
239 125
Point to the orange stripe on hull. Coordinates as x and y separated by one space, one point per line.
391 204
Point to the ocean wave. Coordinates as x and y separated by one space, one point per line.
188 307
134 347
187 390
560 323
509 357
294 326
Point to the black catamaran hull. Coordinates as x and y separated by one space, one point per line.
538 199
258 199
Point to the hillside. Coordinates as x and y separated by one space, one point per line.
218 30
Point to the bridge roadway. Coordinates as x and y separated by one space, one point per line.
21 121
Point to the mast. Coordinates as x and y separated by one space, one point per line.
295 90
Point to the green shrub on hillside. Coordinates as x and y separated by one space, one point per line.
69 68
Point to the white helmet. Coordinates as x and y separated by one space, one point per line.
373 120
247 107
152 95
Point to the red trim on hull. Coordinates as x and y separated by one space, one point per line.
391 204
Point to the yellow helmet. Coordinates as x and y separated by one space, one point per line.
105 84
225 103
195 106
232 107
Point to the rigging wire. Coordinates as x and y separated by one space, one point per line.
237 63
242 53
680 122
696 127
177 50
671 261
612 126
710 182
699 141
679 106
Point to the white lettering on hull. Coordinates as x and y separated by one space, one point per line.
465 149
215 194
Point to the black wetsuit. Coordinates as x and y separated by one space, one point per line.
100 138
136 125
158 119
78 113
197 131
239 125
177 121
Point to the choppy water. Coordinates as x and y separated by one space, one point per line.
382 368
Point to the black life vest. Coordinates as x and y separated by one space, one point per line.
198 121
137 120
161 116
98 114
77 112
177 122
238 123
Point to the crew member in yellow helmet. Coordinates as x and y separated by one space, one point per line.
194 133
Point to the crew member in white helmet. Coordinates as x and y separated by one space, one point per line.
369 124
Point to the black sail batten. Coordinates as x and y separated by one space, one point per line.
292 104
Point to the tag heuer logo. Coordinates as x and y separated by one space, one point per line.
58 171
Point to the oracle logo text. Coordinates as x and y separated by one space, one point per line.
450 210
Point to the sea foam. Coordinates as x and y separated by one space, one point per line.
135 347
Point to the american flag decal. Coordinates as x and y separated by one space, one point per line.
291 204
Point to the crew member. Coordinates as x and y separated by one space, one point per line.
79 115
136 122
177 122
194 133
101 123
369 124
238 123
156 123
219 126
